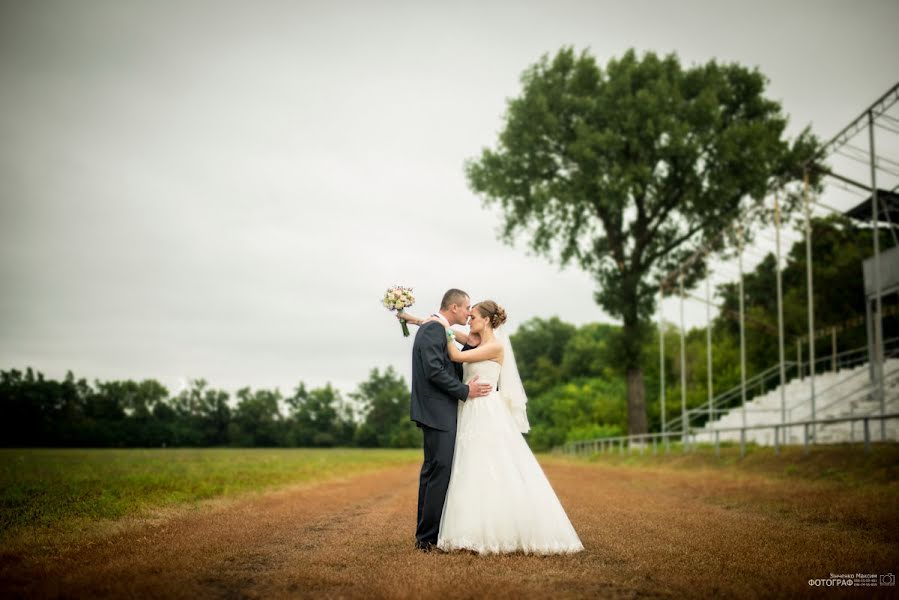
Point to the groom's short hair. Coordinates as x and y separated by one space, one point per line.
452 296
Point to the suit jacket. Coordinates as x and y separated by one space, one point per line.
436 380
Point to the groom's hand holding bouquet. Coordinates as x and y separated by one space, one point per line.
398 299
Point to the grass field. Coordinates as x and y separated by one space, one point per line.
836 486
232 523
843 463
63 492
60 493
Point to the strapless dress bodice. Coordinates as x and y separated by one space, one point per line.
486 370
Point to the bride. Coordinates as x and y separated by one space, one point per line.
498 500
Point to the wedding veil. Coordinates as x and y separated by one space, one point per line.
511 389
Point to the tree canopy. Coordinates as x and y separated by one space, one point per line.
628 170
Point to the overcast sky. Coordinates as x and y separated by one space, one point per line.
224 190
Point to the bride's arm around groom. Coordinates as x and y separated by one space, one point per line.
434 357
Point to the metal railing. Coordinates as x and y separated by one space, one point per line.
870 412
603 445
845 359
850 358
779 428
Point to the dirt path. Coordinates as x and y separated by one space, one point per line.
647 534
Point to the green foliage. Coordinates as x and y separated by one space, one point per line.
581 404
725 371
320 418
203 414
585 148
593 351
384 401
257 419
592 432
839 247
539 350
573 379
41 412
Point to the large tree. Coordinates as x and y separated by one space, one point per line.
628 170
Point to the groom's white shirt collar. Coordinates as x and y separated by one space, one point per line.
442 319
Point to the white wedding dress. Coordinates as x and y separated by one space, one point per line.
499 500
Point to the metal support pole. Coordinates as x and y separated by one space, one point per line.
685 425
661 360
776 439
708 345
780 316
742 443
878 312
833 349
811 301
869 331
799 358
742 328
717 445
868 437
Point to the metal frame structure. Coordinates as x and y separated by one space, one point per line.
872 118
642 441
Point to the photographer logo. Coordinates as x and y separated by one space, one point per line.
854 580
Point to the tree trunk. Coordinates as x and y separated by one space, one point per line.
636 402
636 393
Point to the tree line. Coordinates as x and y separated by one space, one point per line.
74 413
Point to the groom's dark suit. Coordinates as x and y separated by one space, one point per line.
436 391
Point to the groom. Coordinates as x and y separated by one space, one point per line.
436 391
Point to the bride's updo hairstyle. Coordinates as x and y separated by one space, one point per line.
492 311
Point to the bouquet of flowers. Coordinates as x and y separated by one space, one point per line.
398 298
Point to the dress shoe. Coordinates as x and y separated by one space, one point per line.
425 547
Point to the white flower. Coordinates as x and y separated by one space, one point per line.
398 298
